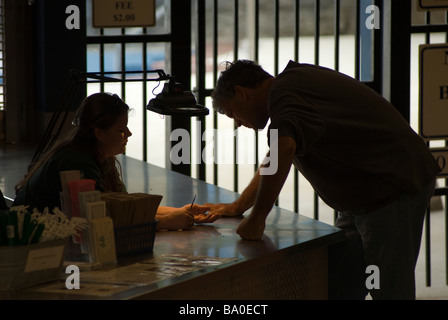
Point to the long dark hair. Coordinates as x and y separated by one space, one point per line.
99 110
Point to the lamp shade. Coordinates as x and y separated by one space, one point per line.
174 101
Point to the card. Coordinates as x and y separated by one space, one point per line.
102 241
95 209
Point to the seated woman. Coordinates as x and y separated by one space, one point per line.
100 133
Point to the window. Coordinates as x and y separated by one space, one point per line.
133 49
2 61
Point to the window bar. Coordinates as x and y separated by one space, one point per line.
296 58
276 35
316 31
102 60
256 57
296 30
235 29
337 31
316 62
215 78
123 65
145 100
337 34
2 42
200 75
446 22
377 58
357 40
276 46
257 30
446 233
446 196
235 139
428 215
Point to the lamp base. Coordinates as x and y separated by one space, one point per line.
191 111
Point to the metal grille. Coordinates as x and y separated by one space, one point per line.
330 33
133 49
2 72
323 32
430 27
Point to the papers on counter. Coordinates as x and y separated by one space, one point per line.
128 209
115 280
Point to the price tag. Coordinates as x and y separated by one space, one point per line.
44 258
122 14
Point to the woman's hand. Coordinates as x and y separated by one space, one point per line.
184 217
200 214
174 219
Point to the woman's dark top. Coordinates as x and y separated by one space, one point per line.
44 187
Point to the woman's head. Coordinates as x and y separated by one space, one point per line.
101 123
100 130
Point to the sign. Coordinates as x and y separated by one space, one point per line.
434 91
122 14
441 155
44 258
423 5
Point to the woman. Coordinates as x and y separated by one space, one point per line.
99 135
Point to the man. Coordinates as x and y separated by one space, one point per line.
353 146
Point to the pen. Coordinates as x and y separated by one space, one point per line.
191 207
192 202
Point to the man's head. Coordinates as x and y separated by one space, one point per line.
237 93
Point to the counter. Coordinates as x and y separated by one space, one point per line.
209 261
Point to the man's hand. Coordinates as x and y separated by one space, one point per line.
199 213
224 209
268 189
251 228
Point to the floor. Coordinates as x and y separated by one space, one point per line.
14 160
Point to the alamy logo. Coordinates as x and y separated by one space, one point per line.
72 281
373 20
73 20
181 152
373 280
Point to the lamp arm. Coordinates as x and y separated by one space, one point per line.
105 76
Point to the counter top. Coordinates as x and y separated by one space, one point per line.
287 233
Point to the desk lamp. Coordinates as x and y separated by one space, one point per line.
173 100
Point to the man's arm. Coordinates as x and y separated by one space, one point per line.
269 187
245 200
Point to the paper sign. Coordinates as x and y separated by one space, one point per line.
45 258
130 13
434 91
441 156
423 5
